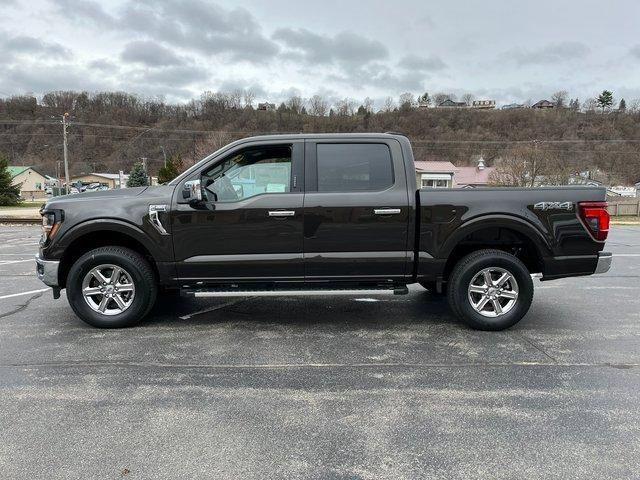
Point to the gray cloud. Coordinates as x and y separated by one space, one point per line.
423 64
31 46
548 54
41 78
345 48
191 24
381 76
85 10
175 76
635 51
104 65
150 53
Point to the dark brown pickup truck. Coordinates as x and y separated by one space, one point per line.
317 215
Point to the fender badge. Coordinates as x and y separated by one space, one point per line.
568 206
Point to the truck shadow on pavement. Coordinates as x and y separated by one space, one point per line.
352 312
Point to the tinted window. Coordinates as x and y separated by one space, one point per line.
348 167
249 173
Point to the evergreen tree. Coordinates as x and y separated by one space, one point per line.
424 100
171 170
605 99
9 194
623 105
138 176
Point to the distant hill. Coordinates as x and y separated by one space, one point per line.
110 131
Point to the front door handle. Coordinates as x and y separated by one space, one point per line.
386 211
281 213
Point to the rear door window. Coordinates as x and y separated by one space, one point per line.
354 167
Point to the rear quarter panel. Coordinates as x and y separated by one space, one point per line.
448 216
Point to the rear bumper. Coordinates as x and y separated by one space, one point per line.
576 265
47 271
604 262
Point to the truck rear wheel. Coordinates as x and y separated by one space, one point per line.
490 290
111 287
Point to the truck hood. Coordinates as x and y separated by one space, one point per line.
103 195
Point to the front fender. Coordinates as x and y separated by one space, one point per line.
159 246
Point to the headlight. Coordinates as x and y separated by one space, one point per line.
50 224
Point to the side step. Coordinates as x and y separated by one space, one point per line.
293 292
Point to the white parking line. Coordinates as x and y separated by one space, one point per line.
7 262
30 292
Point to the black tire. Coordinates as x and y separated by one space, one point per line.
142 277
471 266
433 289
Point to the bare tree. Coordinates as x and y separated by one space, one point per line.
560 98
468 98
249 98
345 107
389 105
318 106
295 104
590 105
235 99
529 166
406 101
367 104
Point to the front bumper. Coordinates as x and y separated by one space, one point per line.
604 262
47 271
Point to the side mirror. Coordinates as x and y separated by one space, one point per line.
192 192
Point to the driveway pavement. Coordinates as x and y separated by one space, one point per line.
341 388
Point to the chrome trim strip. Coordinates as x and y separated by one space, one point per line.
281 213
294 293
604 262
386 211
253 257
155 219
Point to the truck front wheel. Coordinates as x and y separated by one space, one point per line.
111 287
490 290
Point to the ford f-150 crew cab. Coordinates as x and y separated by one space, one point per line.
317 214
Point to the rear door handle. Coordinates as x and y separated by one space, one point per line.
386 211
282 213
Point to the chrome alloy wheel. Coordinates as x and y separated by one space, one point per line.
108 289
493 292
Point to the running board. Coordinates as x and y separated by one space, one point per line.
295 293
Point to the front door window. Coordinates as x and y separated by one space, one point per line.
249 173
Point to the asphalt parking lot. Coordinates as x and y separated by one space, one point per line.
341 388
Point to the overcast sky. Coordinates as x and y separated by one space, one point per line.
507 50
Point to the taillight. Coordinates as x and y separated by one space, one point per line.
595 217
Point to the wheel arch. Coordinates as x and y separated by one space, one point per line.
502 232
97 234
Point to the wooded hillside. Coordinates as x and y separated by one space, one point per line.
112 131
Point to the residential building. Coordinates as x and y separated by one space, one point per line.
512 106
447 175
623 191
448 103
543 105
32 182
484 104
111 180
266 106
472 177
435 174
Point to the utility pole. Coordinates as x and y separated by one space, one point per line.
66 156
165 155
